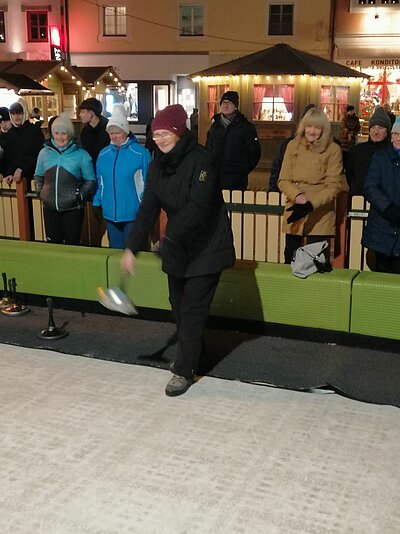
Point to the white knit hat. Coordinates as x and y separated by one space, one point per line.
119 119
63 124
396 125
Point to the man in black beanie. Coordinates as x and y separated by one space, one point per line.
94 136
233 143
360 156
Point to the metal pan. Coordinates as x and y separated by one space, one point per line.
115 299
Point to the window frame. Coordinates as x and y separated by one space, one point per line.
274 103
3 25
29 26
282 4
192 6
114 18
338 107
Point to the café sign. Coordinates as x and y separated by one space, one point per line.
379 63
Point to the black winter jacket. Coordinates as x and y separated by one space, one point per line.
21 148
93 140
235 150
198 239
358 162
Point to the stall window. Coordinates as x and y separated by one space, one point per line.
191 20
37 26
2 27
273 102
280 21
214 96
114 21
334 100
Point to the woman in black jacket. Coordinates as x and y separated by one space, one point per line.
198 241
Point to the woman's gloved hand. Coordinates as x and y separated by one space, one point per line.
299 211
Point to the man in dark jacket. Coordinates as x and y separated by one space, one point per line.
21 145
233 143
382 190
94 136
360 156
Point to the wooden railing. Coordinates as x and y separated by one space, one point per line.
256 219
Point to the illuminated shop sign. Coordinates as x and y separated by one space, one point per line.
56 44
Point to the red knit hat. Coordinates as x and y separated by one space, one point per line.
172 118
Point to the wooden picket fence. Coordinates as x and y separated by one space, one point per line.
256 219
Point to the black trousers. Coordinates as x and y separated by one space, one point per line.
387 264
190 300
293 242
63 227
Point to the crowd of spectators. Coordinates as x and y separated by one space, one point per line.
309 168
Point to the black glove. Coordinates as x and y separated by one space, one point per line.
299 211
392 214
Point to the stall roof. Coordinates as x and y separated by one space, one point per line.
91 75
281 59
23 85
37 70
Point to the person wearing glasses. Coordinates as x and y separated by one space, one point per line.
382 190
198 242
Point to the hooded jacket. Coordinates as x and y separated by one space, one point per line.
64 177
22 145
198 238
121 177
235 150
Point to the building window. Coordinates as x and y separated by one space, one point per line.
191 20
280 20
334 100
37 26
273 102
114 21
214 96
2 28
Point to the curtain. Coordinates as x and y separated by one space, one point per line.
212 96
260 91
342 98
287 92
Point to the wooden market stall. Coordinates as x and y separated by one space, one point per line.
274 86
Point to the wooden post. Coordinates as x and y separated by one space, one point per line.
341 228
23 210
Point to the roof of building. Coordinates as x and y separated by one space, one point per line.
280 59
23 85
37 70
92 75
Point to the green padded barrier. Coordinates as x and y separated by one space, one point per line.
269 292
54 270
254 291
148 288
376 305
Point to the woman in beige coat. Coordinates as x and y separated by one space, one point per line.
311 177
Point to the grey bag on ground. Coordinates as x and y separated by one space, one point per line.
310 259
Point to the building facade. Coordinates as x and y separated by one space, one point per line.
156 45
367 38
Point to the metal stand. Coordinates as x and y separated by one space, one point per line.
15 308
5 301
52 332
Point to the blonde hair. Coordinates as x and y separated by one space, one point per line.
316 117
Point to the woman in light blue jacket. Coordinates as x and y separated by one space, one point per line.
65 180
121 171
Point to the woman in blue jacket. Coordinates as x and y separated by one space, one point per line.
382 190
121 170
65 180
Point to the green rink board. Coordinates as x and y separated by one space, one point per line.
376 305
269 292
253 291
54 270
